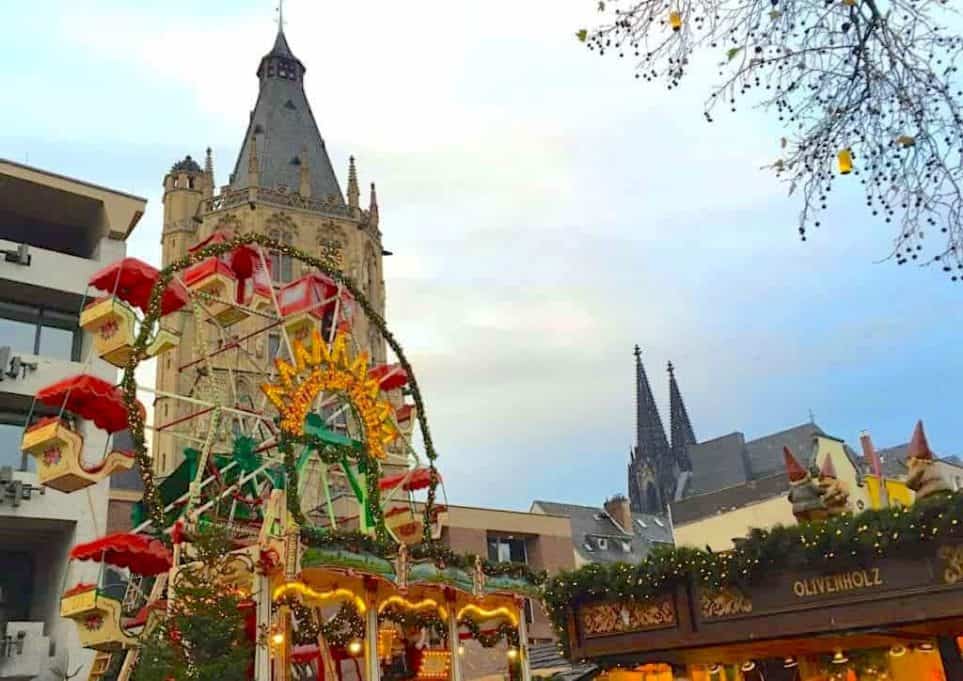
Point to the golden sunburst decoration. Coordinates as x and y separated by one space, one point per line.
331 369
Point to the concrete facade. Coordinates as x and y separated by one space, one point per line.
72 229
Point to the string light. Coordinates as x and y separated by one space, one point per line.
355 647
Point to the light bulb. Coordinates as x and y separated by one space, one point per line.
790 662
277 638
839 657
748 666
461 648
512 653
355 647
897 650
926 647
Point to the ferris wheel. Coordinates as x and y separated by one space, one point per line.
261 386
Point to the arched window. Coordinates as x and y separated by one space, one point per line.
370 279
651 499
282 266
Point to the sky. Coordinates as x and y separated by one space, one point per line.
546 212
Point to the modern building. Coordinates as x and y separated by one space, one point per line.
55 232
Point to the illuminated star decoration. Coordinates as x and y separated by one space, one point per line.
322 369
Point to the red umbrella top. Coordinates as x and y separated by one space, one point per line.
90 398
132 280
141 555
389 376
419 478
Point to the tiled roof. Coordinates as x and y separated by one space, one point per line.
703 505
284 127
717 463
765 453
592 528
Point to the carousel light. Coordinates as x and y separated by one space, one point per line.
512 653
277 638
839 657
897 651
714 668
675 20
845 159
925 647
355 647
461 648
748 665
790 662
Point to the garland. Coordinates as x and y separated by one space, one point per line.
845 540
408 620
489 639
152 499
442 556
346 625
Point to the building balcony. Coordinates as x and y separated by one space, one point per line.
25 653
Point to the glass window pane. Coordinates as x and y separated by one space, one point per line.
18 335
56 343
492 549
10 454
516 550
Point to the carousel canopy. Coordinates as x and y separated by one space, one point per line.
90 398
418 478
141 555
132 281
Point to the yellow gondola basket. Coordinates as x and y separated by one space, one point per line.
98 619
58 451
111 322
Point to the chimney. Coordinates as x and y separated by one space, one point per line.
876 465
620 511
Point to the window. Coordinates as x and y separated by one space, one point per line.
505 549
641 524
627 547
16 583
603 544
659 522
40 331
588 546
282 266
274 345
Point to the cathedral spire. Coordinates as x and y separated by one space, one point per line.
650 440
373 217
680 428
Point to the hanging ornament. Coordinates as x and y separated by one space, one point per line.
906 141
845 158
675 20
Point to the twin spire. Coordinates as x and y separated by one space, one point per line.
664 458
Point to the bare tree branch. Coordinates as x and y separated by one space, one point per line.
873 80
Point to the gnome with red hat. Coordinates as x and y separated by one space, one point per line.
835 493
804 494
924 477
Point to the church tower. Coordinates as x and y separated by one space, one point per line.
283 185
680 428
651 478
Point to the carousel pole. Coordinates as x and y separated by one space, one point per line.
523 661
453 642
372 662
262 654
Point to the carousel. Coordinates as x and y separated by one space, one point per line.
329 492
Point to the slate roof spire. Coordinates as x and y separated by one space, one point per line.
283 128
680 428
650 440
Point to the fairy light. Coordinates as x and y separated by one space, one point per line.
355 647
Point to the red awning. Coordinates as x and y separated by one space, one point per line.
218 237
206 268
141 555
390 376
403 413
243 260
90 398
418 478
132 281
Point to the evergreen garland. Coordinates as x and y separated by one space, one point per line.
842 541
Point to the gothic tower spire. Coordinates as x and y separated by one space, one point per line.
680 428
651 473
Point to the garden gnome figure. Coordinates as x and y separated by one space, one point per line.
804 495
923 478
834 491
